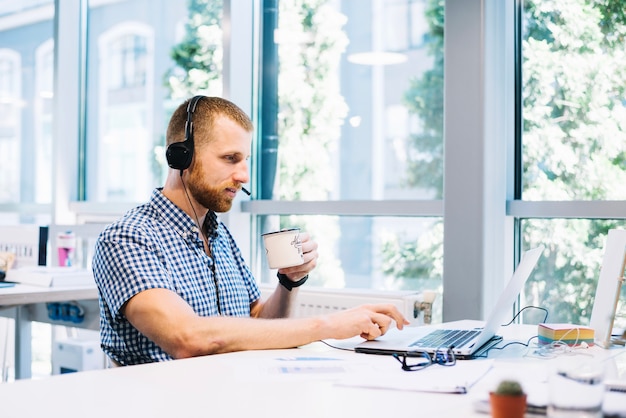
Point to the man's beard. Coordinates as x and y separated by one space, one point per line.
211 198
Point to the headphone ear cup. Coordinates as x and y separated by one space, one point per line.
179 155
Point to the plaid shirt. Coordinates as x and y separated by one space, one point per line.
157 245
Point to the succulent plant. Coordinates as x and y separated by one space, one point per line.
509 388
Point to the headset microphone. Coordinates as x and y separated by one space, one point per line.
245 191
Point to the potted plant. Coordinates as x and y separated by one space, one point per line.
508 400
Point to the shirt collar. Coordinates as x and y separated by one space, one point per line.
180 221
211 224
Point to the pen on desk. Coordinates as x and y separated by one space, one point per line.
461 390
452 389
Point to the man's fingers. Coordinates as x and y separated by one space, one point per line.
392 312
373 331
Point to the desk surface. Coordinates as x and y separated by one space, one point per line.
266 383
21 294
27 303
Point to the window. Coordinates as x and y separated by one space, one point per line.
26 113
350 119
26 118
141 57
573 143
125 145
350 129
128 57
10 124
44 112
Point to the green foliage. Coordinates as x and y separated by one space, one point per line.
198 56
574 73
574 82
310 116
411 262
574 89
612 21
311 112
574 117
425 99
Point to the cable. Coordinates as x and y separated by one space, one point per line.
337 348
205 239
545 318
526 344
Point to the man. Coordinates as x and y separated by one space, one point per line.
169 289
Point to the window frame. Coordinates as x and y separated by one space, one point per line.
480 208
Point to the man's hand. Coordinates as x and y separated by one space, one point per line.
309 251
368 321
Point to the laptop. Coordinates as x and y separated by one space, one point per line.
467 340
608 289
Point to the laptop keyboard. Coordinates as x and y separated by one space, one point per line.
445 338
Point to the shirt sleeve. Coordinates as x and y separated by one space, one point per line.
126 263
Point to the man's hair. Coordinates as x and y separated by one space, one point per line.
208 109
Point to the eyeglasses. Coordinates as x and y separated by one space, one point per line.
418 360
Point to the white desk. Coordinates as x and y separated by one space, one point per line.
252 384
28 303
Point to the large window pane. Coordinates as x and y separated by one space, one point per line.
367 252
574 100
26 77
565 279
573 142
351 105
356 96
144 58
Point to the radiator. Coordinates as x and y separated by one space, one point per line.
416 306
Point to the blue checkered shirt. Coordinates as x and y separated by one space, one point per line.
157 245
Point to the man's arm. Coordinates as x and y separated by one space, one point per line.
165 318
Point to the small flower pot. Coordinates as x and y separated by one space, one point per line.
507 406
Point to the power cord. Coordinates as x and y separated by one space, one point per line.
527 344
555 348
336 347
545 318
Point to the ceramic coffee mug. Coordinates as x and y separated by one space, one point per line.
283 248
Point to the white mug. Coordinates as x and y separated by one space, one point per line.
283 248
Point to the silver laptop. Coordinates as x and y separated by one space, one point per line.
609 287
467 340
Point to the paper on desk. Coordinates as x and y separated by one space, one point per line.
47 276
532 376
297 366
436 378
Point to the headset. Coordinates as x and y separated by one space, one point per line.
180 154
